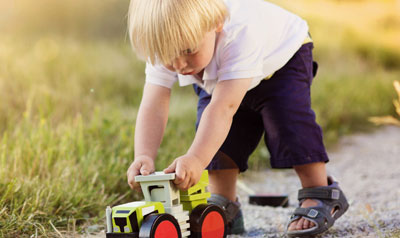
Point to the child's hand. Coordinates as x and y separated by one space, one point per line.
142 165
188 170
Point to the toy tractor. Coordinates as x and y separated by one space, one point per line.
167 212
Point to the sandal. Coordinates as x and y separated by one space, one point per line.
330 198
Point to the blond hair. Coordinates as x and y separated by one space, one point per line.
160 30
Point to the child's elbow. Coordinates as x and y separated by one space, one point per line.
226 109
231 108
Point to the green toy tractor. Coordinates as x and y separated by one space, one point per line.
167 212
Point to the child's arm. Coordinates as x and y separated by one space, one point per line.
150 124
213 129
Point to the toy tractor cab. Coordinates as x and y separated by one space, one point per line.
167 212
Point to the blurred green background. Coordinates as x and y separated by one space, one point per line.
70 87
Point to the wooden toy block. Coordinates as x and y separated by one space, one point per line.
157 176
184 226
204 177
158 187
183 222
200 187
156 194
200 196
182 219
174 209
186 234
190 205
184 230
181 216
194 190
181 213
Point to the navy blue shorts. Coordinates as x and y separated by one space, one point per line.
280 107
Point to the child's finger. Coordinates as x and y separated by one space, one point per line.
191 183
180 177
131 178
131 173
171 168
182 183
146 169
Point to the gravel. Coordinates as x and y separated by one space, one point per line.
367 167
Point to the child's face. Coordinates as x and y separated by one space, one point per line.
193 61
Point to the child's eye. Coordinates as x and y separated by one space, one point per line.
189 51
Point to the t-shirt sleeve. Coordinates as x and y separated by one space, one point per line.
159 75
240 55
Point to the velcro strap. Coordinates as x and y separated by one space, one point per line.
317 214
319 193
306 212
230 208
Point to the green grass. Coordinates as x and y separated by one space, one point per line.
68 108
67 123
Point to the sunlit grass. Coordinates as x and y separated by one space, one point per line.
68 108
390 120
67 118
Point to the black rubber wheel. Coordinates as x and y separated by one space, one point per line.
208 221
160 226
122 235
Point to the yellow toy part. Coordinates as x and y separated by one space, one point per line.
128 217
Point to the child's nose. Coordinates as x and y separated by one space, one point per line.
179 63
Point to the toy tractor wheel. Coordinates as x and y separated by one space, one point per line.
160 226
207 221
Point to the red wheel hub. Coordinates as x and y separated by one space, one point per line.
166 229
213 226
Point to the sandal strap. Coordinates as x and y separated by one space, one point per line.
329 197
318 215
327 193
231 208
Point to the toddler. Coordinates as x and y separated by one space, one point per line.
250 63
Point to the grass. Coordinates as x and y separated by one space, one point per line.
68 108
67 125
390 120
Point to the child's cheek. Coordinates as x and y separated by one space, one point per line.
169 67
196 60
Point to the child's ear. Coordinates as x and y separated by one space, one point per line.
219 27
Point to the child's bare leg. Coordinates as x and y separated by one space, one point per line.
223 182
311 175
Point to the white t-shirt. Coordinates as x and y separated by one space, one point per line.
258 39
